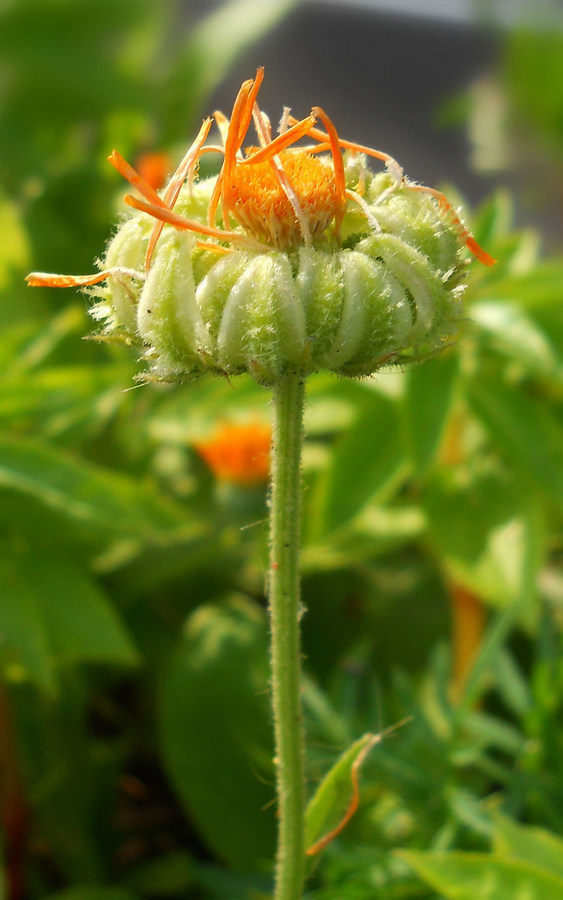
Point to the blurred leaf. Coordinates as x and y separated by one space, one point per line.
540 285
482 527
93 892
364 466
323 724
169 875
375 530
211 50
494 218
525 430
82 624
428 395
529 845
519 339
224 884
25 652
54 614
70 322
215 730
61 398
512 684
493 732
82 491
14 248
533 69
464 876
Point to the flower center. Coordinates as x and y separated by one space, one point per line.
260 204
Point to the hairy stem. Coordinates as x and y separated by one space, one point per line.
284 599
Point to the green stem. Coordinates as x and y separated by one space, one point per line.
284 599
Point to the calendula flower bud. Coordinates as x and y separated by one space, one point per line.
291 260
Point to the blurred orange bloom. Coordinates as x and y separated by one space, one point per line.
154 168
239 454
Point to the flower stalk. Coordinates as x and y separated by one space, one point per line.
285 610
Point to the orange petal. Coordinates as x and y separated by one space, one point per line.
133 177
43 279
282 141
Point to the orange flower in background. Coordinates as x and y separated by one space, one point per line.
154 168
239 454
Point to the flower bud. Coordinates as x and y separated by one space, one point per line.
289 261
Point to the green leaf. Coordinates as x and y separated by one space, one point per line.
512 685
520 609
517 336
211 50
215 730
494 218
81 622
53 614
482 528
93 892
465 876
63 397
365 465
169 875
428 394
14 247
25 653
532 845
539 286
84 492
525 430
336 797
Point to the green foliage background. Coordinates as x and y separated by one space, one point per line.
136 737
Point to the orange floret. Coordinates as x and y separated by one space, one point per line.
260 204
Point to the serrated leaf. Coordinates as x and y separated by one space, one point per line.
465 876
216 733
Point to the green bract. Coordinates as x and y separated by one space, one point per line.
386 292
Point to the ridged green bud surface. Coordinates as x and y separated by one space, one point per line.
386 291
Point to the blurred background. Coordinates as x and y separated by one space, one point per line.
134 727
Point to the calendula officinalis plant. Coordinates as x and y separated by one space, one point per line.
293 259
